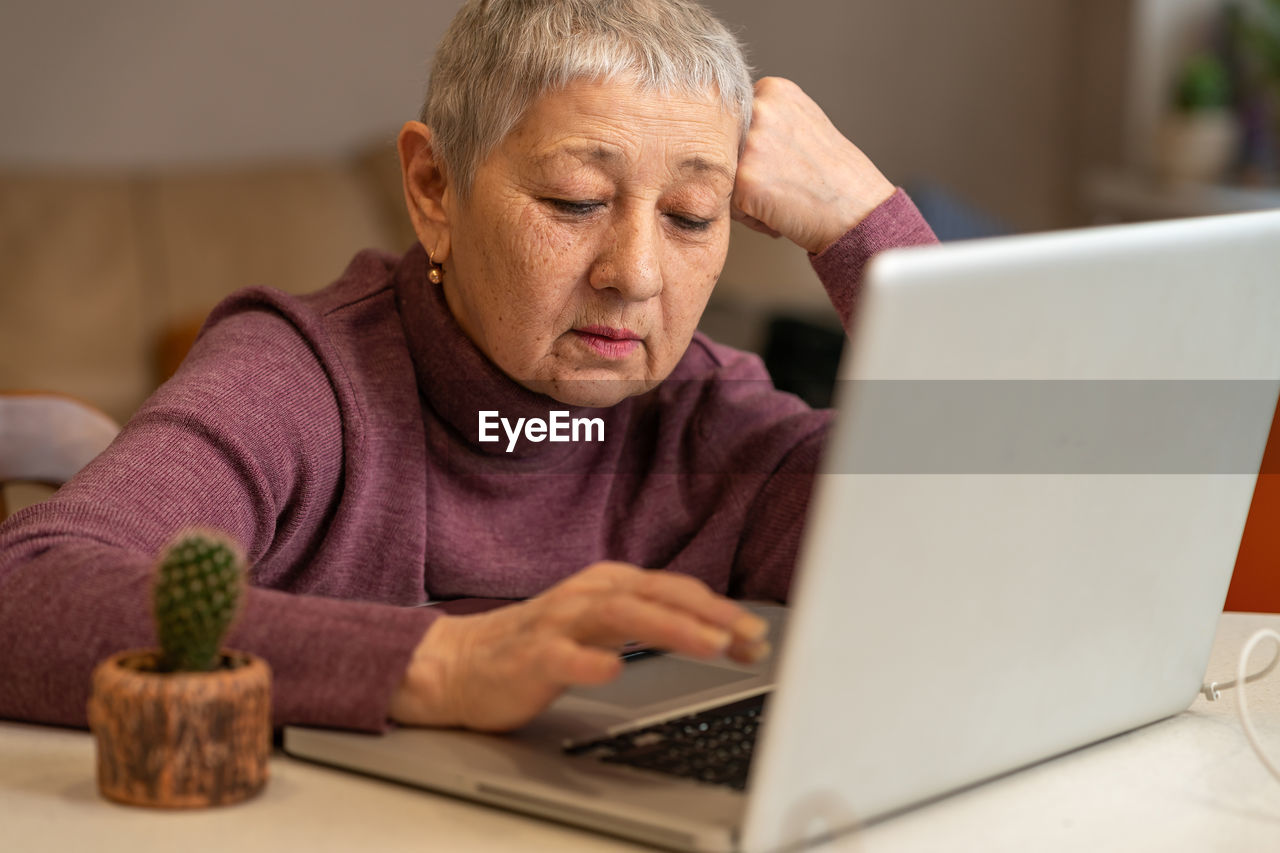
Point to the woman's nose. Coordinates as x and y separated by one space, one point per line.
629 263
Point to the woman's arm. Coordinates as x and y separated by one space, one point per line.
246 439
894 224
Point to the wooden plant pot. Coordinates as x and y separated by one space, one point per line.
181 739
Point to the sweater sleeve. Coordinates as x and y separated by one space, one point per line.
895 224
775 518
246 439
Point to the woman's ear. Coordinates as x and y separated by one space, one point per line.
425 188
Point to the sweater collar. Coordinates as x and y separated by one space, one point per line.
457 381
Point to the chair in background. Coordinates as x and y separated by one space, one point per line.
46 438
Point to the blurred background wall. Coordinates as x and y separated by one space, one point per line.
157 154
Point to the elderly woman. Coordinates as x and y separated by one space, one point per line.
571 185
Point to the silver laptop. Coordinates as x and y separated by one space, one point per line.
1028 516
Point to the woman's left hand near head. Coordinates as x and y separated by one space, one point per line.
798 176
495 671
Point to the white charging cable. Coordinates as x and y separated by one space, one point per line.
1241 679
1213 690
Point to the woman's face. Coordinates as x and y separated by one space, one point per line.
585 254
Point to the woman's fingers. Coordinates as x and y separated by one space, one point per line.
752 223
495 671
749 651
798 175
687 593
565 662
676 591
623 616
683 615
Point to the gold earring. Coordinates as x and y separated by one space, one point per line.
436 274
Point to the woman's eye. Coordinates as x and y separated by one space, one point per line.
688 223
575 208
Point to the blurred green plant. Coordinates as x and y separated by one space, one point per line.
1203 84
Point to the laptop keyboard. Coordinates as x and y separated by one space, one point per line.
712 746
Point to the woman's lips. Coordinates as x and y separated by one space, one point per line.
607 341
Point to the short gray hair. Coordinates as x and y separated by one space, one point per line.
499 56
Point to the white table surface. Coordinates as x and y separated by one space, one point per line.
1190 783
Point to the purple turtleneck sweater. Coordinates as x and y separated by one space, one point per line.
334 435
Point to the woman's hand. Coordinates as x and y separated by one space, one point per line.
799 177
495 671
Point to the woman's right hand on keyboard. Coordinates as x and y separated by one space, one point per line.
495 671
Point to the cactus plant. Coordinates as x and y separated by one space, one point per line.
197 593
188 724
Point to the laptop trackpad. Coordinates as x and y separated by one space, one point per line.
656 680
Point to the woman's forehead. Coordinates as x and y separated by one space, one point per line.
610 126
685 159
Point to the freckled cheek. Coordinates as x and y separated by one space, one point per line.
537 252
686 298
699 275
549 249
539 266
